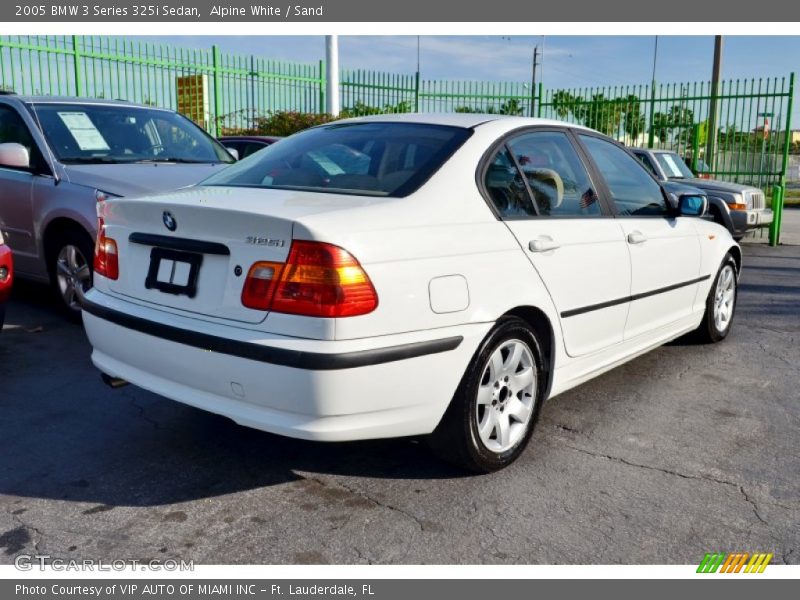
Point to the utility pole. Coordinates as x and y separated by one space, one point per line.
712 109
332 74
533 79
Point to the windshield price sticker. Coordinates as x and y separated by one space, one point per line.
83 131
676 172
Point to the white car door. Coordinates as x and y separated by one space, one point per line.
564 228
664 249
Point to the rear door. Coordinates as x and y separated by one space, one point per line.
562 225
664 249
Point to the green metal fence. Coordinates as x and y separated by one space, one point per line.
235 89
748 142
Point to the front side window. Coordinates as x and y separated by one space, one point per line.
633 191
110 133
14 130
363 158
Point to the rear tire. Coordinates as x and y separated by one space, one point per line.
70 264
495 408
720 304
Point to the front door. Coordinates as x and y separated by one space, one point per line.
561 224
664 249
16 192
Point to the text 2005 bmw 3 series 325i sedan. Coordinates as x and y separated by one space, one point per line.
405 275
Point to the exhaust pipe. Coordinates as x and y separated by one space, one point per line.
113 382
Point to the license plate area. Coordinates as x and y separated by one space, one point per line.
173 272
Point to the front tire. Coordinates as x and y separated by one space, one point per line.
495 408
71 267
720 303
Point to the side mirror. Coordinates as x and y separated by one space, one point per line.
14 155
692 205
233 152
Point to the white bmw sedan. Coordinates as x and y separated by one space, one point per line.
401 275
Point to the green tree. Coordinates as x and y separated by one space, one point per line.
677 124
634 117
511 107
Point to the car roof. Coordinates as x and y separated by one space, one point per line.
655 150
465 120
248 138
72 100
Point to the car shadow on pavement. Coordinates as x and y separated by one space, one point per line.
66 436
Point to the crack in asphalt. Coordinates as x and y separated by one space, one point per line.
363 557
567 428
775 356
785 556
752 503
367 497
140 409
736 486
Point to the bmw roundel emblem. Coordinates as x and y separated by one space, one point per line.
169 221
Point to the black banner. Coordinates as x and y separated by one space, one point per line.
405 11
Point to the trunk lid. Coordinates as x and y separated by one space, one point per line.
140 178
181 250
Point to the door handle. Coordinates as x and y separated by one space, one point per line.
543 244
636 237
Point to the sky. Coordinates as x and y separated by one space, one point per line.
568 61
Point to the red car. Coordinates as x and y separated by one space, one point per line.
6 278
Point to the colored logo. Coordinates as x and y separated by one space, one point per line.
735 562
169 221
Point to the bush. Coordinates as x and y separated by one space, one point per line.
283 123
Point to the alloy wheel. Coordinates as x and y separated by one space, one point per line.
724 298
505 398
73 274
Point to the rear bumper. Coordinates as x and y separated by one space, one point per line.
388 386
750 219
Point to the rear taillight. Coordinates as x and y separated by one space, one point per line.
317 280
106 261
259 287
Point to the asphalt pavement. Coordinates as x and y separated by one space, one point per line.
686 450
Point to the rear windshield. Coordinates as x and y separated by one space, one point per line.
374 159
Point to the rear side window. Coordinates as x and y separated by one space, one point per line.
506 187
374 159
540 174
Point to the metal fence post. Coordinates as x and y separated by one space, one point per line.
76 56
216 60
321 81
777 207
651 118
416 92
777 212
539 102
